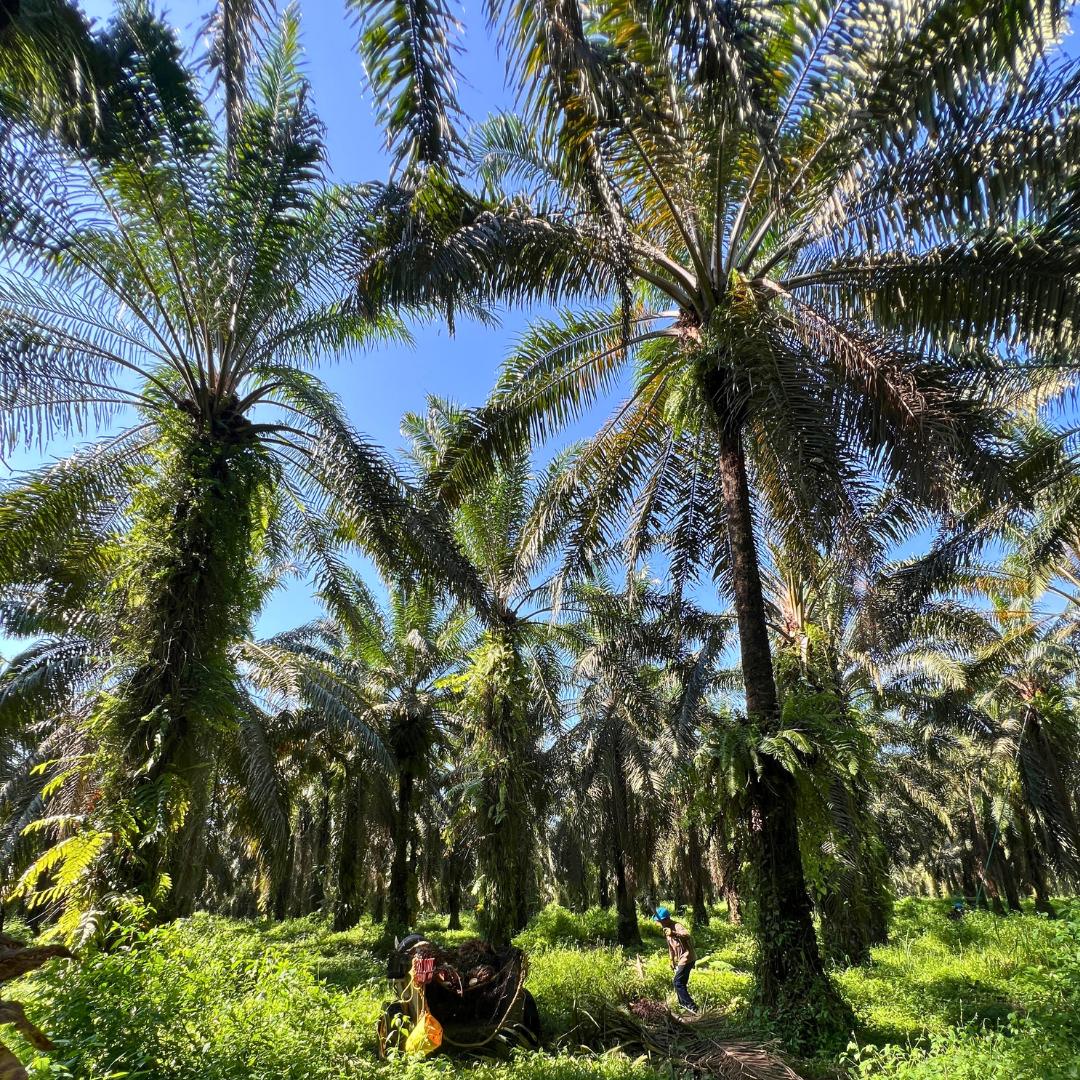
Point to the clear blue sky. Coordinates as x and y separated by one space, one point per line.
377 387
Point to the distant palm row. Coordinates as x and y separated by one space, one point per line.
826 258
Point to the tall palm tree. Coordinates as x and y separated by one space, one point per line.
825 616
162 285
817 284
628 649
397 662
510 683
1013 694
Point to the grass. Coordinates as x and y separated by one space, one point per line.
988 998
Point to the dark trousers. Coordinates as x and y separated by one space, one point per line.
682 977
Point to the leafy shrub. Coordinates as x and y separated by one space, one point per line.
555 926
220 999
201 998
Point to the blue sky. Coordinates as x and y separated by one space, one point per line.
376 387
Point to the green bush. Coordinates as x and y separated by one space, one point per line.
219 999
205 999
556 926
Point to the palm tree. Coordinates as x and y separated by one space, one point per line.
510 683
628 650
1013 694
161 281
825 615
53 68
813 289
397 662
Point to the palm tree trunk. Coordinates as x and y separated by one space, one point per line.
378 911
626 910
726 860
696 857
187 855
1033 864
349 901
988 886
506 846
280 905
452 883
1007 874
789 971
164 724
603 887
400 909
316 899
302 865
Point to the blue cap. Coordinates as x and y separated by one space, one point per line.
661 914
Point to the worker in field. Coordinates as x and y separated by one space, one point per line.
681 949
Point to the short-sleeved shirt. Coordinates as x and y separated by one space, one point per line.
680 945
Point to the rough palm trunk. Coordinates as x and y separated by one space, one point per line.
302 864
856 903
163 723
696 856
316 886
987 888
626 910
603 886
378 909
1033 864
1007 875
280 904
789 970
187 855
349 901
727 860
968 879
506 805
453 899
399 911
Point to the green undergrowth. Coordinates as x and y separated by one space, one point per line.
217 999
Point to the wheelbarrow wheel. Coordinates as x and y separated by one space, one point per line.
392 1034
530 1020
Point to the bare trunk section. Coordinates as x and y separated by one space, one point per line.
790 974
696 856
400 911
349 901
620 832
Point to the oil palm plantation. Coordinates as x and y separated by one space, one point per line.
396 662
510 683
642 662
180 290
1013 695
819 285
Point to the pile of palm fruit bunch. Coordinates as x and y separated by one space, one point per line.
475 984
476 992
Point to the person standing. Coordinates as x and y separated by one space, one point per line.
681 949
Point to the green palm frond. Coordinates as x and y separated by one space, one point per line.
408 48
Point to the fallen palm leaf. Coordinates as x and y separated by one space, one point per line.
700 1043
